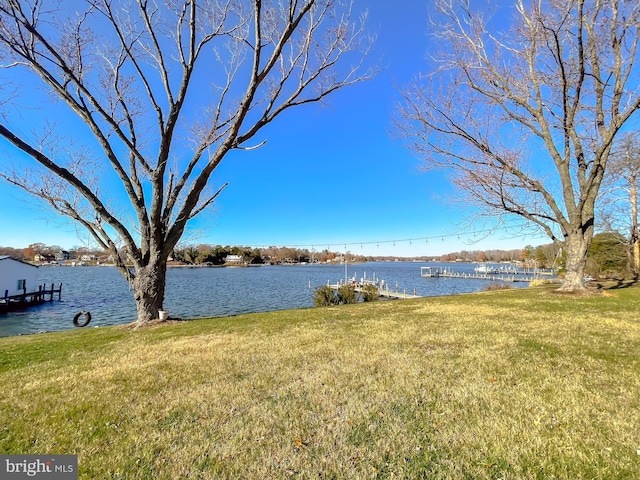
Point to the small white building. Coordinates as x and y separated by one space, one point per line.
17 276
233 259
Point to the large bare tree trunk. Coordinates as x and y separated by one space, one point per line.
149 288
576 245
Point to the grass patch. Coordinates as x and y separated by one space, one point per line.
520 383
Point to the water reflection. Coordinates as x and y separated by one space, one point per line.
210 292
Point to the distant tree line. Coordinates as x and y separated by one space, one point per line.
609 255
215 255
542 256
36 251
218 254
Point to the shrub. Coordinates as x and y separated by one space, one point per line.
324 296
347 294
497 286
370 293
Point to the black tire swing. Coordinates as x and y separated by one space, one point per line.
86 319
84 314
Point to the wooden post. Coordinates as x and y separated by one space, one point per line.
60 291
51 296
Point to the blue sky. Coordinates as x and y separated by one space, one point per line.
327 177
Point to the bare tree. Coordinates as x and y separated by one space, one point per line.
618 201
163 91
524 119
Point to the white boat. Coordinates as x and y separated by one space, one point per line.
486 269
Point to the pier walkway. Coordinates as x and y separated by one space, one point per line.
435 272
383 291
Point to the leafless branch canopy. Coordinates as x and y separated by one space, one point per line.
160 92
525 118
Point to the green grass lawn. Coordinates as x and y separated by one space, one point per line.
520 383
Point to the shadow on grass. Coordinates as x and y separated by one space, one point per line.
618 284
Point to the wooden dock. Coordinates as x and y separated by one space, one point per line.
10 303
386 293
498 277
435 272
382 291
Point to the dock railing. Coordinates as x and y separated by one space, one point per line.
382 288
26 299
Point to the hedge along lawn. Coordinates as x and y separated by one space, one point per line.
518 383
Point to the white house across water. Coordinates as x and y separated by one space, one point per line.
17 277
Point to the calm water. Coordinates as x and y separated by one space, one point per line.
210 292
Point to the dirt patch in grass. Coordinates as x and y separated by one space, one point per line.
152 324
589 290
